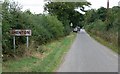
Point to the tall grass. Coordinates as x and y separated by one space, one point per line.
49 63
106 37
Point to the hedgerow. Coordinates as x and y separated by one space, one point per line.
44 27
107 29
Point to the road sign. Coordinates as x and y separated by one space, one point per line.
71 24
19 32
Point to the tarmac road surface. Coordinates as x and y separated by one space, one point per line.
87 55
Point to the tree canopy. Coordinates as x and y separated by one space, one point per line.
66 11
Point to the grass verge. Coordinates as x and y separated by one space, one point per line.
102 41
48 63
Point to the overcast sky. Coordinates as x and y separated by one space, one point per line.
36 6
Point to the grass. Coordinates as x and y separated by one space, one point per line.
0 45
19 65
49 63
0 33
102 41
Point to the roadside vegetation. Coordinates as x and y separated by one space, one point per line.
45 62
51 36
103 24
51 33
45 27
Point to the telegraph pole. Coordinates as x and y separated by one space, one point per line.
107 4
119 3
107 14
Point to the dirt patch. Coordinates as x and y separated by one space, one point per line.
37 55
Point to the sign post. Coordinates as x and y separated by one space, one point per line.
19 32
14 42
71 25
27 41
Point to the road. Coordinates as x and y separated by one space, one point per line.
87 55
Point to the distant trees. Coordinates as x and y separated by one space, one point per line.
104 23
102 13
65 12
90 16
93 15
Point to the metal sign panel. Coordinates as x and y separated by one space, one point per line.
19 32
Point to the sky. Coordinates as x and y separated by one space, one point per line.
36 6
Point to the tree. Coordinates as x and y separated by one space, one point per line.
66 12
12 19
102 13
90 16
44 28
105 25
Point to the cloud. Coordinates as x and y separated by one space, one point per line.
37 5
103 3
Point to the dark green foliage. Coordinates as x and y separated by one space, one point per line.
44 28
66 13
90 16
106 25
102 13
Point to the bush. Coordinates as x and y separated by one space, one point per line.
108 29
99 25
44 28
55 26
